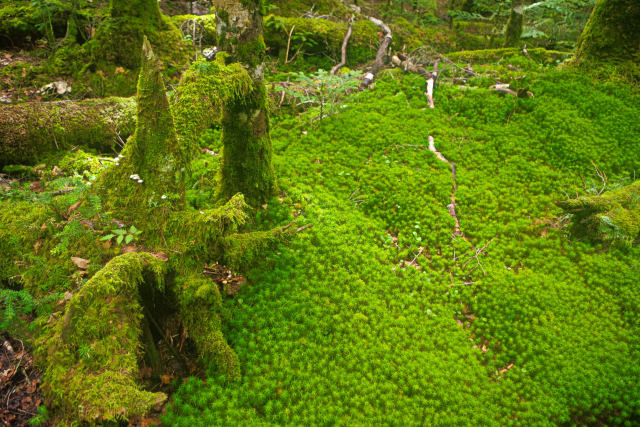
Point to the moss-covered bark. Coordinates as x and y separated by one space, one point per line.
612 215
33 130
118 39
91 353
91 349
513 32
247 167
198 102
153 165
612 33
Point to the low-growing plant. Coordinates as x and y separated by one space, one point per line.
123 235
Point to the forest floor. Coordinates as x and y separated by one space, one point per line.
435 282
381 314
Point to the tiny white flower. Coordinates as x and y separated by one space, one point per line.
117 164
140 181
201 213
163 197
89 159
88 183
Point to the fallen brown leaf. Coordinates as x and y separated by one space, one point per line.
80 262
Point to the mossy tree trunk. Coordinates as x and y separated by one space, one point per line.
153 164
513 33
118 38
246 167
612 33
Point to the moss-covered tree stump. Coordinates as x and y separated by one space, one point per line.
91 348
614 215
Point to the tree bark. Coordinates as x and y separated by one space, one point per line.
513 33
612 33
246 166
31 130
119 37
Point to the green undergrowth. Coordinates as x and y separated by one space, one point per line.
377 315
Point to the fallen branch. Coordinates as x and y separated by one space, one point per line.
504 88
370 76
457 231
304 227
343 61
286 55
466 70
431 80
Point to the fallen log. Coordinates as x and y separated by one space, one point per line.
29 131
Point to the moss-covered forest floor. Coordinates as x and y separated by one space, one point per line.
378 315
385 308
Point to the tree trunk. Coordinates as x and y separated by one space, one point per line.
32 130
246 167
513 32
119 37
612 33
153 155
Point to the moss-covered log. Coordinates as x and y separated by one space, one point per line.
246 167
326 37
612 215
31 130
612 33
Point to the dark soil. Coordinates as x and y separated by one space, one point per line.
19 383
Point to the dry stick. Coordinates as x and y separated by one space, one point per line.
304 227
343 61
451 206
466 70
286 56
431 80
383 46
368 78
504 88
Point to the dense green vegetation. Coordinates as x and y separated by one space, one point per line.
275 245
335 330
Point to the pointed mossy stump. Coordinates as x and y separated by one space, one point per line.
90 352
614 215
